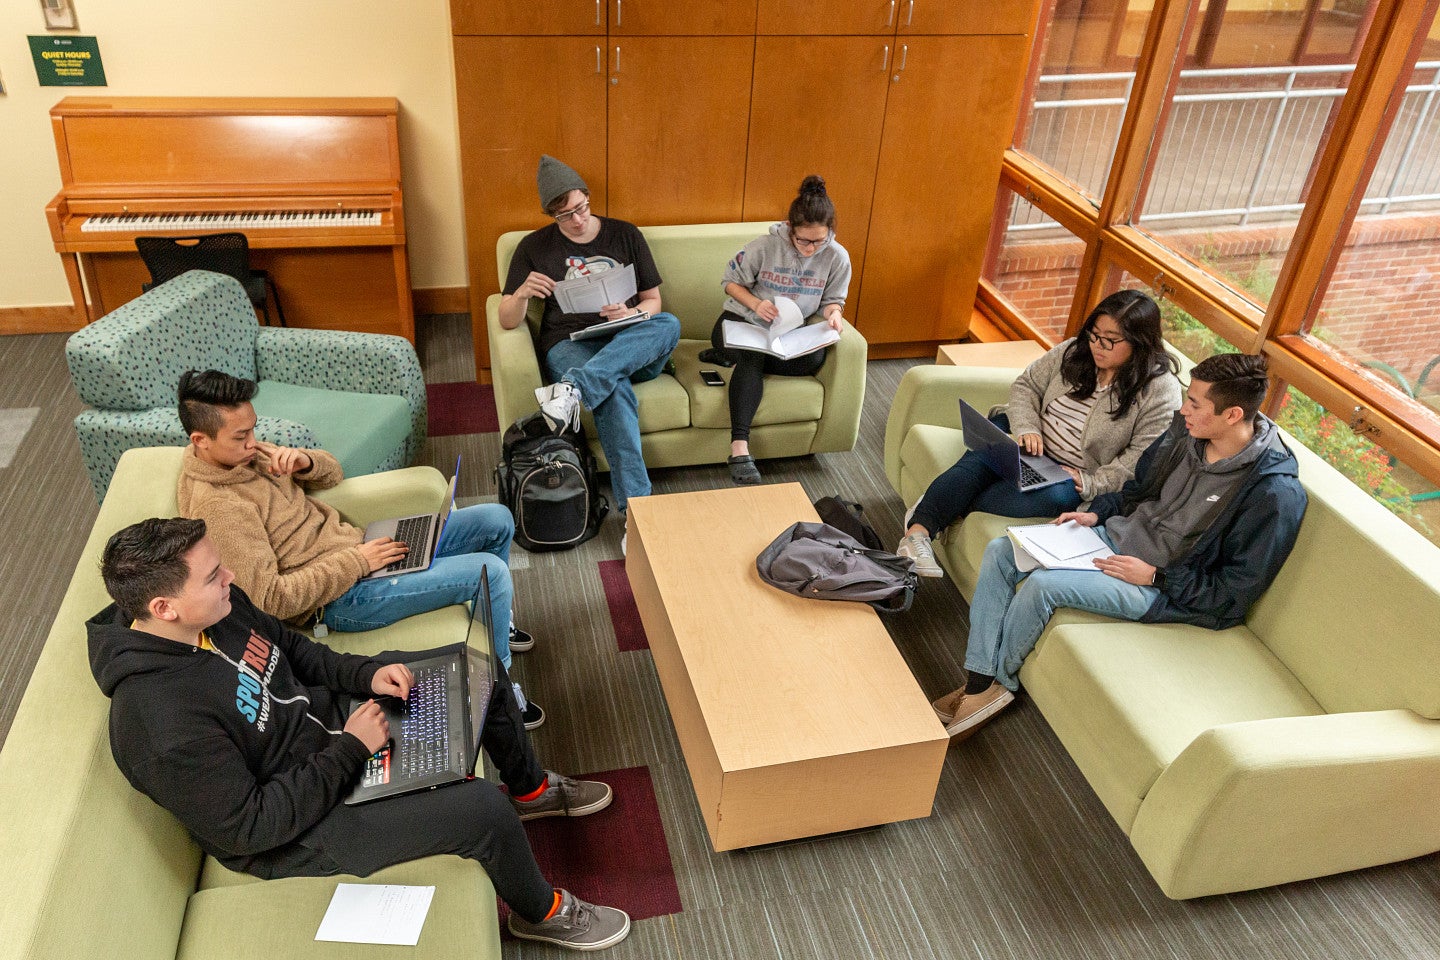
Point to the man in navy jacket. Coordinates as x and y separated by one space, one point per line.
1199 533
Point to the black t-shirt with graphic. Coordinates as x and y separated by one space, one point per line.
550 252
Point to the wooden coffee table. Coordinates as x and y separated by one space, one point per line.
797 717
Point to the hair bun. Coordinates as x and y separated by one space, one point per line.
812 184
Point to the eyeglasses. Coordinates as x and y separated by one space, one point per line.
1109 343
582 208
811 244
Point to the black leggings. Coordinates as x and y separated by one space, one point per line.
471 819
747 380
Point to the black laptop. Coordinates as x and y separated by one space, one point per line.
435 734
1003 455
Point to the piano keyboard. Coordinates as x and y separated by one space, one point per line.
259 220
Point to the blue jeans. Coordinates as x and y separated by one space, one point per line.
474 537
1005 622
972 487
603 369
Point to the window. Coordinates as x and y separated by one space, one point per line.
1036 266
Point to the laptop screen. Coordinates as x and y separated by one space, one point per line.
479 659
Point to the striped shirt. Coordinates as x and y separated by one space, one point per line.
1062 424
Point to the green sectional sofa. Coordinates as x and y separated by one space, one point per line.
1303 743
89 866
683 421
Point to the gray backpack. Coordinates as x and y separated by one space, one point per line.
817 561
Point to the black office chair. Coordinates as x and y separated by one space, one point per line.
229 253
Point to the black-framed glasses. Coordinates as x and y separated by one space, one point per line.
1109 343
810 244
575 211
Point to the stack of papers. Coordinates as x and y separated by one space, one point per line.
1057 546
785 337
376 913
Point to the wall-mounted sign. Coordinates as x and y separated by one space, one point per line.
67 61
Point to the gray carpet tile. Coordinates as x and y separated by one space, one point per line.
1018 861
14 424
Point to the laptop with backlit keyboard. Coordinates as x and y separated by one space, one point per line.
435 734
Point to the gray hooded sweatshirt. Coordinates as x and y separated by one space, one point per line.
1163 529
771 267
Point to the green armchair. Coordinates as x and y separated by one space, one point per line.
360 396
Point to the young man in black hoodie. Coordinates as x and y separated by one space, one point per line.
235 724
1199 534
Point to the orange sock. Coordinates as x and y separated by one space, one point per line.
534 794
554 907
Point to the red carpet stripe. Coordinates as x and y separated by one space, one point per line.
624 616
465 407
618 857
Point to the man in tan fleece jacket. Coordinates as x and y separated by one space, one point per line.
296 558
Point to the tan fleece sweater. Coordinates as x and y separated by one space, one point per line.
290 553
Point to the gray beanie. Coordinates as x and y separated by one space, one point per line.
555 180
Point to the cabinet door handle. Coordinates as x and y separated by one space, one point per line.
617 58
909 16
885 66
904 54
890 20
597 13
598 66
617 11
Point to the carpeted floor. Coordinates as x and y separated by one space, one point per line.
1018 861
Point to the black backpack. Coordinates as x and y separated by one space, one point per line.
547 479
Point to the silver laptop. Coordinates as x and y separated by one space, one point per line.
421 533
1006 457
435 735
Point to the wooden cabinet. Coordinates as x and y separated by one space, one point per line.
827 18
795 130
713 111
692 18
935 183
527 17
678 110
509 117
914 17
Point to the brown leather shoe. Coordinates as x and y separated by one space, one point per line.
976 709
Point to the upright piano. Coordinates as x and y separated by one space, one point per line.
314 183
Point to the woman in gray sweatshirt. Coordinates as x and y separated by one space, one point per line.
799 259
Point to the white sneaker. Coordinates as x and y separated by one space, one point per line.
560 402
917 547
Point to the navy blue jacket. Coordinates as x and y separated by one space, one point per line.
1232 562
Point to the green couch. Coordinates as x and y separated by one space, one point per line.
89 866
1303 743
683 421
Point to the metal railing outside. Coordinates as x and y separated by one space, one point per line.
1238 145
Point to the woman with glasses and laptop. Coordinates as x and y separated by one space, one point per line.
1093 404
798 259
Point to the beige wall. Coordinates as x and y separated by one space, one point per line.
238 48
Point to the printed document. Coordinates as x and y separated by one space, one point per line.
589 293
785 337
376 913
1062 546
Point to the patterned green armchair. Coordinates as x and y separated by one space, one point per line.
360 396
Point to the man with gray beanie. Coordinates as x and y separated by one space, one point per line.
596 372
1199 534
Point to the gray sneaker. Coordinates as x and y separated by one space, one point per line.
577 925
560 402
917 547
566 798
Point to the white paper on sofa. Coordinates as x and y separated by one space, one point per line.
376 913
